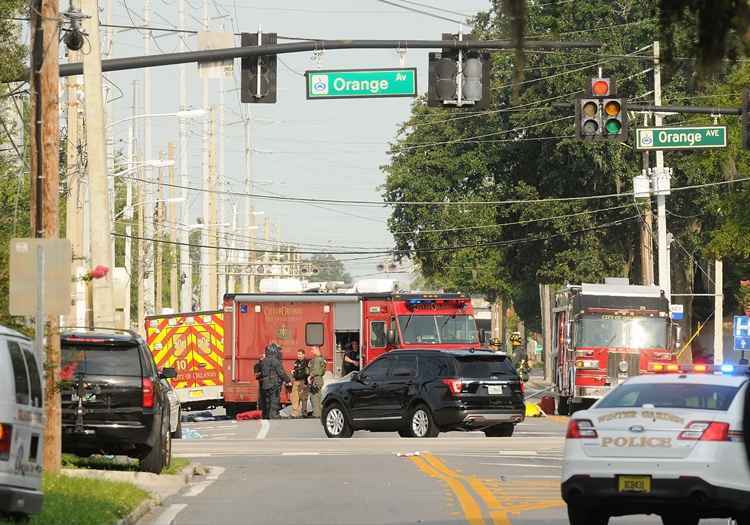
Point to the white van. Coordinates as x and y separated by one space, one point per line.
20 425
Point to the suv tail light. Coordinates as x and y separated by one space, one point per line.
6 435
705 431
580 429
148 393
454 385
523 387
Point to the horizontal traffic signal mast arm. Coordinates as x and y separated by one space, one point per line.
216 55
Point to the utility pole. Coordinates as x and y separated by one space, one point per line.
186 267
665 282
141 266
172 221
45 190
148 246
248 282
719 312
129 210
221 211
76 200
204 270
213 253
252 231
99 219
647 240
158 219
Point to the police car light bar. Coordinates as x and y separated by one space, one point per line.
673 368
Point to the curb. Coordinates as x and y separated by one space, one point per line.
186 474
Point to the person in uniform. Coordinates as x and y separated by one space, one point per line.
300 373
351 358
258 371
274 377
317 371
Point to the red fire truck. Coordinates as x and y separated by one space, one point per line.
605 333
379 321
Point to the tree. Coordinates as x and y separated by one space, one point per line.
331 269
521 151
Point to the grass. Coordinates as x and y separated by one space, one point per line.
104 463
81 501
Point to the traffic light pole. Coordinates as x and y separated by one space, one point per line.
665 281
218 55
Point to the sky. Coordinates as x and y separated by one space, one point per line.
319 148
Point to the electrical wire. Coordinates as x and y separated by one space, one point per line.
421 12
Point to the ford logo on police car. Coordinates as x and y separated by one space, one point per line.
636 428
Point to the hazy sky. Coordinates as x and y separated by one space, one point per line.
323 149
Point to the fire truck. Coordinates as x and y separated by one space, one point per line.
193 344
605 333
330 321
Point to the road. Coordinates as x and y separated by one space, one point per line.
287 472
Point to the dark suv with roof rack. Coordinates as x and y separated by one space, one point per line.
113 401
420 393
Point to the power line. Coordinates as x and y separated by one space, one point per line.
440 10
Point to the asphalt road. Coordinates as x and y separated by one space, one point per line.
287 472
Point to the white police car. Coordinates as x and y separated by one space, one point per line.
670 445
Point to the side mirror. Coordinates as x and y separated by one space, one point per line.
355 376
403 372
168 373
391 337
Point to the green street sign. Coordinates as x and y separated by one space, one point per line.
361 83
681 138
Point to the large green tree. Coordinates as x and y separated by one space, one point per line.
523 149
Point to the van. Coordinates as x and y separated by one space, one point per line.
20 426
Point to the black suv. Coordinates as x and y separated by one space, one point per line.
420 393
113 401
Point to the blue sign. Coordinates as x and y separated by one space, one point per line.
741 333
243 308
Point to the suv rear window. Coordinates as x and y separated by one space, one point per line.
110 360
484 366
671 395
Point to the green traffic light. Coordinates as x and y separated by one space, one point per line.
613 126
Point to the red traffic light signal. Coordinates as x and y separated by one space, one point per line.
600 87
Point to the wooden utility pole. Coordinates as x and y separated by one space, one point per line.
45 191
174 285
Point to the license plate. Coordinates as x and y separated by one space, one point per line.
495 390
196 393
634 484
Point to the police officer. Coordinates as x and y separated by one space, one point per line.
317 371
351 358
300 373
273 377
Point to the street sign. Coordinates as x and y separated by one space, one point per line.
361 83
741 333
25 276
681 138
677 311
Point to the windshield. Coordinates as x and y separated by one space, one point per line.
622 332
434 329
99 360
671 395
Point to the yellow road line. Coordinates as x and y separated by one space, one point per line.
469 506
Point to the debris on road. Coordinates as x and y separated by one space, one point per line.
533 410
249 415
407 454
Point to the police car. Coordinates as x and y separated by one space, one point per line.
666 444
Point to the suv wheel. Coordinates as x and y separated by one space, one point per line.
177 434
504 430
158 457
335 423
579 515
421 424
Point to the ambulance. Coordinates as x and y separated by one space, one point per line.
193 344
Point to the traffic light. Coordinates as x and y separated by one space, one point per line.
442 85
746 119
446 76
599 115
258 73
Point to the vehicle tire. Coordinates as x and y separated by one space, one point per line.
177 434
579 515
563 406
404 433
335 423
156 459
421 424
743 519
504 430
679 519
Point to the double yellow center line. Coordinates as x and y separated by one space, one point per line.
434 468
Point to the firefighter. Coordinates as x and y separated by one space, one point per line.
300 373
351 358
258 371
317 371
274 377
